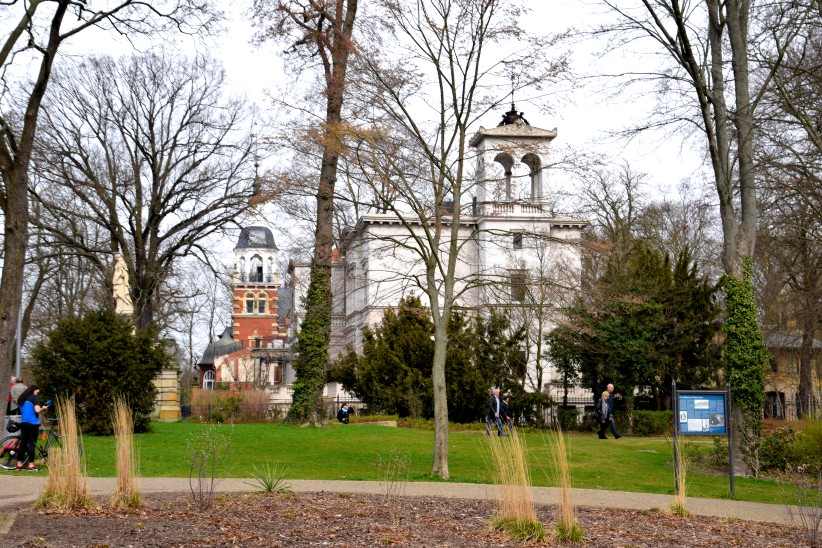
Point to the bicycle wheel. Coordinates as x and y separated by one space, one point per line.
52 439
9 447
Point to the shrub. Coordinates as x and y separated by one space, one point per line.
775 451
652 423
568 418
807 448
96 357
718 456
364 419
230 406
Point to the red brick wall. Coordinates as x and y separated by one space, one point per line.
246 326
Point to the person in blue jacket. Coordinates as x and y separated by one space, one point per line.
29 427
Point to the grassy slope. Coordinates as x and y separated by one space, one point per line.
352 452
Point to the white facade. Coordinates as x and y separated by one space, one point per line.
514 252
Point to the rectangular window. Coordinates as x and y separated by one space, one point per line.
257 343
261 306
518 240
249 306
518 279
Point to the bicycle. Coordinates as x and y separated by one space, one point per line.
10 444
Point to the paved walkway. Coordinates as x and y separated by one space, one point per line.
11 487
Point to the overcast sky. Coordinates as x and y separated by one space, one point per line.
586 113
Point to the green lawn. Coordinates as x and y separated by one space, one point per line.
352 452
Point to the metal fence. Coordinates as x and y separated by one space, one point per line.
779 408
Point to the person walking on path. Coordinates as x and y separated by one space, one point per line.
612 398
29 427
495 410
603 411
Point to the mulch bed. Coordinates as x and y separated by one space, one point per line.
325 519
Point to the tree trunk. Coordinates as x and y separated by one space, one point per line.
737 19
308 391
11 287
16 212
440 465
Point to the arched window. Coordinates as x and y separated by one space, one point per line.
507 163
249 303
270 272
535 171
242 269
261 303
255 271
208 380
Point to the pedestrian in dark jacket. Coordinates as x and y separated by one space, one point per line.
343 413
496 411
603 412
29 427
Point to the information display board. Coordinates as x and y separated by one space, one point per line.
702 413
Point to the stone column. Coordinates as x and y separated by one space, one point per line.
167 401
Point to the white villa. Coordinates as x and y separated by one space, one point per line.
515 253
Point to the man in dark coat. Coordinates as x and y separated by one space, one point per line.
611 401
496 410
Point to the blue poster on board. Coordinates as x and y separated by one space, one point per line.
702 413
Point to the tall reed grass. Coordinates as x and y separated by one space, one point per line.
515 502
126 494
567 527
67 485
681 464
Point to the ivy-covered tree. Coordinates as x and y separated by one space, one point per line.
393 373
96 358
745 357
647 322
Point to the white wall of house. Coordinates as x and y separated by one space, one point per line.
509 231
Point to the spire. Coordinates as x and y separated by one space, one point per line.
512 116
513 107
257 186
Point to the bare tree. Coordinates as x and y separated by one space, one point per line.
150 151
42 27
790 158
426 94
709 45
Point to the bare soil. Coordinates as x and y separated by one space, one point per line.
353 520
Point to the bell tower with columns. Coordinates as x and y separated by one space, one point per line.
511 160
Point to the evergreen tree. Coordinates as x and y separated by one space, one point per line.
96 358
393 373
647 322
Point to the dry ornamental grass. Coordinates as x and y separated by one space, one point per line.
568 529
126 494
515 503
681 465
67 487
